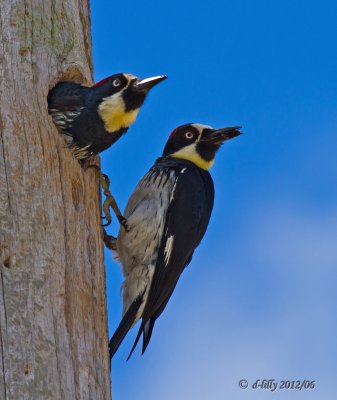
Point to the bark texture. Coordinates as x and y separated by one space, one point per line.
53 327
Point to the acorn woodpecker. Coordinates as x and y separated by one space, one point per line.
93 118
167 216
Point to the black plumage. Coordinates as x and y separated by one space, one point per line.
167 215
186 220
74 109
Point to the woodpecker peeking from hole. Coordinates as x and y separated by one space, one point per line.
167 216
93 118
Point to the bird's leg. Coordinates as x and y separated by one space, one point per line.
109 199
109 241
110 202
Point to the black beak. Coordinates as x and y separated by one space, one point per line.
218 136
148 83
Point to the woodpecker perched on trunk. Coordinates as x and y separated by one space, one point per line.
93 118
167 216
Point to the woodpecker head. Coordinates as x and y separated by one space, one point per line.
120 97
198 143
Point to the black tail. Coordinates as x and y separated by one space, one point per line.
124 326
147 333
146 329
147 325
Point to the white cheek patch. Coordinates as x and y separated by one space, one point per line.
114 101
190 153
112 112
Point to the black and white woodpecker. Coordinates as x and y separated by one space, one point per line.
93 118
167 216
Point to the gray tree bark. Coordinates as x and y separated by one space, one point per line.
53 323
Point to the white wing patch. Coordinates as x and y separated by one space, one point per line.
173 190
168 249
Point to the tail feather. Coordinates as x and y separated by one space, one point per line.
147 333
146 329
124 326
147 325
136 341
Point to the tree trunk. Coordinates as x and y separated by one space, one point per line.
53 323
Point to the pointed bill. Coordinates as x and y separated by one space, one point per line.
149 83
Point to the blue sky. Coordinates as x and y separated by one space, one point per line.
259 298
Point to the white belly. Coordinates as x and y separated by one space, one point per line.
137 249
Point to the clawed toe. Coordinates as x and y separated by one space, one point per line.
124 222
106 224
109 201
109 241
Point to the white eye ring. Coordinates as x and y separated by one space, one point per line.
189 135
116 82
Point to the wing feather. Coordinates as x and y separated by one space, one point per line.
186 223
67 96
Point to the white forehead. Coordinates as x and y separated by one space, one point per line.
129 77
201 127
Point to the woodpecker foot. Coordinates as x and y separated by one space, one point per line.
124 222
109 241
109 201
84 163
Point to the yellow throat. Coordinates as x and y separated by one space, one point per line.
113 114
190 153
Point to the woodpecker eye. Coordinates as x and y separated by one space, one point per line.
189 135
116 82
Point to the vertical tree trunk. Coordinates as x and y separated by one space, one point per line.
53 327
